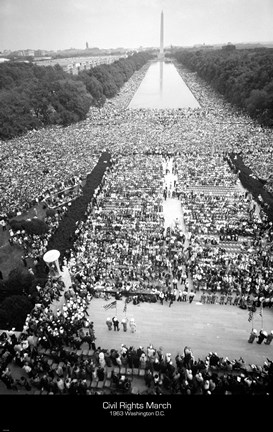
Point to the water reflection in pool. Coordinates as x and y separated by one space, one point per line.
162 88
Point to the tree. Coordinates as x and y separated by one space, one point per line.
13 74
93 86
19 281
115 71
106 80
40 96
256 102
71 100
15 114
4 320
34 96
13 312
243 77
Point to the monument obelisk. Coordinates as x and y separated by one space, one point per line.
161 50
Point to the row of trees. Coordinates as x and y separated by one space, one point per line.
36 96
32 97
243 77
104 81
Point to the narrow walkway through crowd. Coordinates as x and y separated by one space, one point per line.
66 278
172 209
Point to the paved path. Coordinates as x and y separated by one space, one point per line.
172 211
205 328
58 304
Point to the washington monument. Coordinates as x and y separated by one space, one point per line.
161 51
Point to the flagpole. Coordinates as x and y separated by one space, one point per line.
111 306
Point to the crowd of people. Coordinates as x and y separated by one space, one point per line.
72 372
34 163
51 332
230 246
34 246
60 198
123 243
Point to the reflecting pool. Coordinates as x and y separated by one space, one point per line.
162 87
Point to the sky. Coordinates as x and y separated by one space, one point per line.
63 24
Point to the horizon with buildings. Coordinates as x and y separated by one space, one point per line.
56 25
28 52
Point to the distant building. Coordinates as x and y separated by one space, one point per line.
29 53
40 60
203 46
229 47
24 53
40 53
73 65
86 45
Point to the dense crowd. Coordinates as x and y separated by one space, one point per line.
36 163
123 243
230 241
247 138
42 158
34 246
229 256
122 240
43 329
54 199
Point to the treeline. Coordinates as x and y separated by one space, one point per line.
34 96
243 77
104 81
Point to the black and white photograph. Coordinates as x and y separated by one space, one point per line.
136 206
